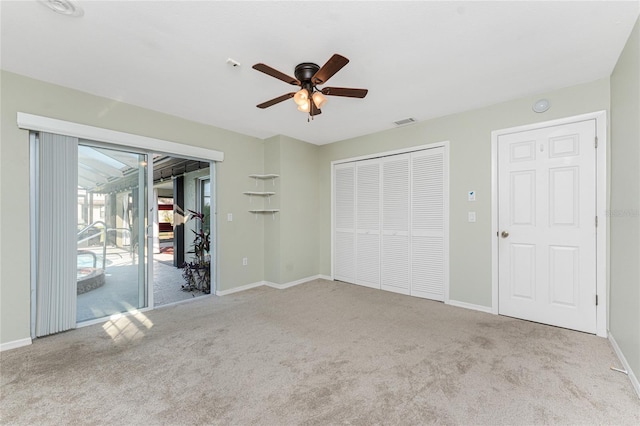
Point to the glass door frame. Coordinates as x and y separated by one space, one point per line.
146 296
143 252
149 230
213 222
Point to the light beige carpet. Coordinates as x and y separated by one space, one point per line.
319 353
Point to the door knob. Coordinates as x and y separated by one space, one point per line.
504 234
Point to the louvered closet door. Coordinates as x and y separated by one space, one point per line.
395 224
344 262
428 196
368 223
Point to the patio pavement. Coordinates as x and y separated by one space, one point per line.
120 291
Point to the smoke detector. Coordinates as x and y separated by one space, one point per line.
63 7
233 62
541 105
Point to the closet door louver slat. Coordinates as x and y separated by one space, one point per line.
368 223
395 224
427 230
344 262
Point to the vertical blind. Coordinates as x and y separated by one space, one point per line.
57 220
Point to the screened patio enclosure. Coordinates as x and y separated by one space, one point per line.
113 248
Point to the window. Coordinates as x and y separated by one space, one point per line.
204 200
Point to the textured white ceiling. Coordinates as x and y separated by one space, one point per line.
420 59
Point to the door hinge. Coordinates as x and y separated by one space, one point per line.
596 221
596 300
596 144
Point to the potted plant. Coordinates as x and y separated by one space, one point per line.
197 273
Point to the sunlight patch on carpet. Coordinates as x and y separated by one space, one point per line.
127 327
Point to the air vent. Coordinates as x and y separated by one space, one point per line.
405 121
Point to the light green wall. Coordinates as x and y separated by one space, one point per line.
298 209
272 222
625 202
291 246
469 134
244 155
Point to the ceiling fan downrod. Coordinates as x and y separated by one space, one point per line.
304 72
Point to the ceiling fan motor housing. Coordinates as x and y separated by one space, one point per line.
305 71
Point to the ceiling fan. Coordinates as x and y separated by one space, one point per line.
308 76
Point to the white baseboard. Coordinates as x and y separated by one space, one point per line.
325 277
15 344
292 283
471 306
269 284
625 364
241 288
182 302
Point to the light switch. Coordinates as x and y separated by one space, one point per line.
472 216
472 195
229 217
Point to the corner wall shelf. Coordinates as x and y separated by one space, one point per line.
251 194
268 176
272 211
267 194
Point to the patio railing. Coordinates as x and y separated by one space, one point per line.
102 233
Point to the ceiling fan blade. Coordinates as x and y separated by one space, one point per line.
277 100
333 65
345 91
275 73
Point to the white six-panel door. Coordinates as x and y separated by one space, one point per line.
390 223
546 220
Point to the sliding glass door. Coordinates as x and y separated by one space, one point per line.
112 221
95 214
96 224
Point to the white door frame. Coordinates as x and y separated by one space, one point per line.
600 118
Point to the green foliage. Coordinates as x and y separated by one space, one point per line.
197 273
205 221
167 216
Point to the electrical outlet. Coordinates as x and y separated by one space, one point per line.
472 216
245 261
229 217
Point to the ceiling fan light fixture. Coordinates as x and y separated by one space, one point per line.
301 98
319 99
305 107
308 76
